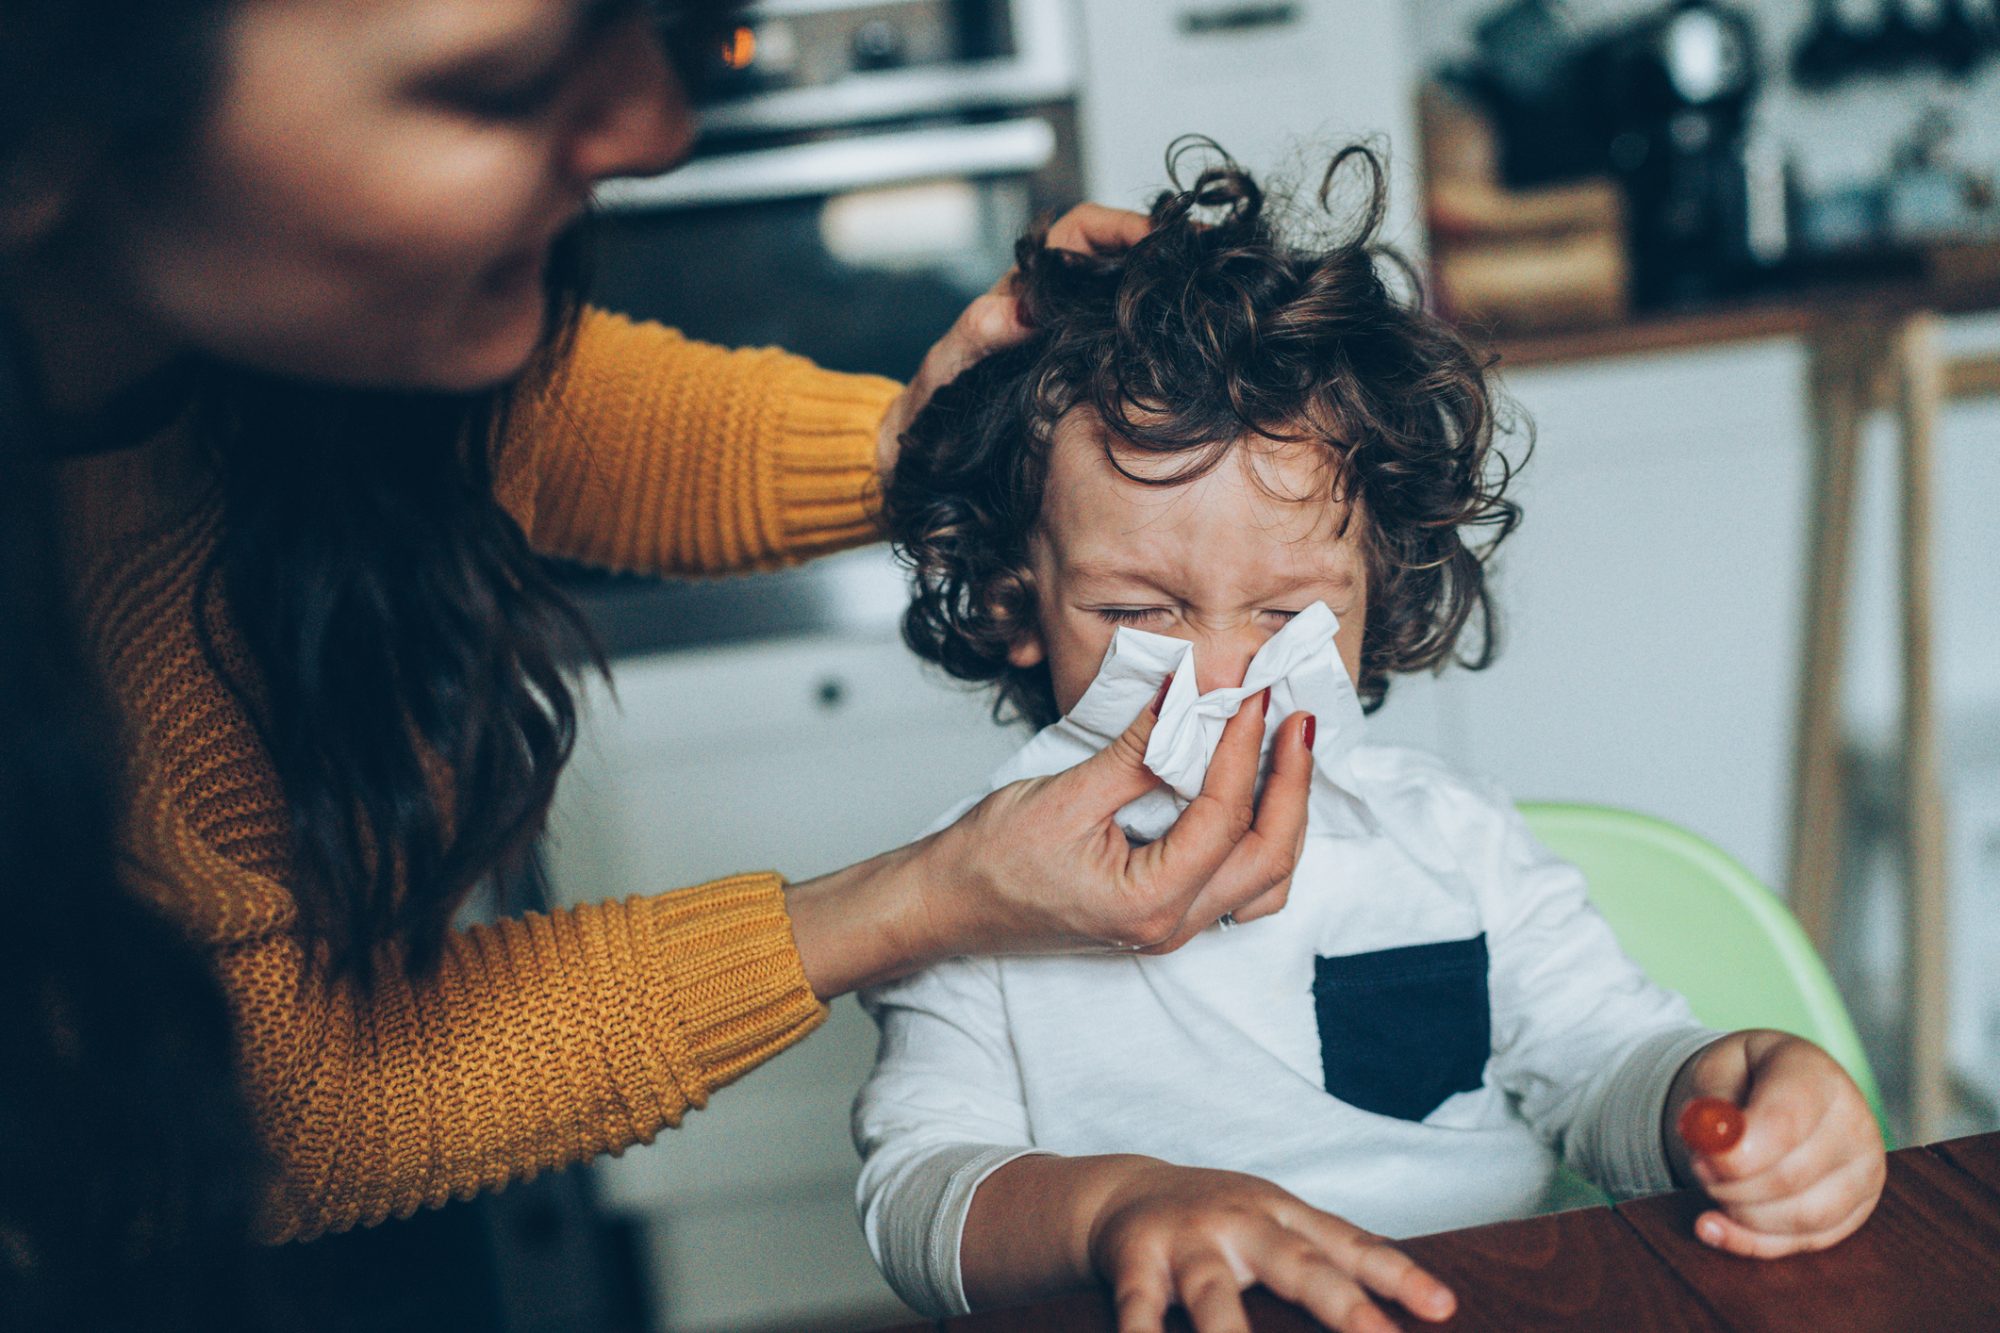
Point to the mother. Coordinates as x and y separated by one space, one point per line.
293 278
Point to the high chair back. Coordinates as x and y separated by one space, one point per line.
1697 921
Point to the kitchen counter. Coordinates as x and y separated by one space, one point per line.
1956 281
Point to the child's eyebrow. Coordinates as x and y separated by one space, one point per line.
1338 579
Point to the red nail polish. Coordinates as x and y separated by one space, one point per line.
1309 730
1160 699
1267 703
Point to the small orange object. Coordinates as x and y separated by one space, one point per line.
1711 1125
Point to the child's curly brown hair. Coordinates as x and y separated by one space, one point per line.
1216 327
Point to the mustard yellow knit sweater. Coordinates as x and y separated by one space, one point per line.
540 1041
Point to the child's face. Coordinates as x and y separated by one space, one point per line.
1222 561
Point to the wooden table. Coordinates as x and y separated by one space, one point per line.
1928 1261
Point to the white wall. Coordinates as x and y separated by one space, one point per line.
1654 592
1279 99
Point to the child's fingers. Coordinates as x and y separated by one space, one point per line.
1725 1233
1291 1266
1212 1295
1142 1298
1808 1161
1816 1207
1335 1300
1302 1273
1379 1266
1787 1104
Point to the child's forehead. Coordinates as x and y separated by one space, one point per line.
1268 503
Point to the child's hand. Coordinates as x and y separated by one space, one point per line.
1809 1166
1173 1235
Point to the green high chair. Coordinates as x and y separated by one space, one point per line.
1697 921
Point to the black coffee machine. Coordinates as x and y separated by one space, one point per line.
1674 92
1662 103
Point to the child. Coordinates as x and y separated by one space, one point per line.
1218 447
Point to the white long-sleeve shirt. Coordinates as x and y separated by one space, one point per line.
1436 1018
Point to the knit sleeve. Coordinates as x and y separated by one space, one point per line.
536 1043
650 452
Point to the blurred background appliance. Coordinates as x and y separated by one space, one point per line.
1760 148
1954 37
1675 91
1660 103
862 172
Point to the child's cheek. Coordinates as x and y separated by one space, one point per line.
1076 651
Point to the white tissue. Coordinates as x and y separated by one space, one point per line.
1298 665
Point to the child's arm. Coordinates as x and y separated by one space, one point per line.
1604 1061
942 1109
1161 1235
960 1209
1586 1042
1810 1165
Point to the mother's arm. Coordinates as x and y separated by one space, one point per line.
652 453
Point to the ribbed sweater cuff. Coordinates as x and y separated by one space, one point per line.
741 992
824 484
1627 1148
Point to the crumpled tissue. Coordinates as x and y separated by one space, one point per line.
1300 667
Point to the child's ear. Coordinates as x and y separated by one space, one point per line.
1027 650
1019 601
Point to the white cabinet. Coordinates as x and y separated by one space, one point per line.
797 755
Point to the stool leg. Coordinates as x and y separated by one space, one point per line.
1920 368
1839 392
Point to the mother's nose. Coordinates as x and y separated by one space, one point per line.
639 123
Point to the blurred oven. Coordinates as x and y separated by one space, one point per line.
862 173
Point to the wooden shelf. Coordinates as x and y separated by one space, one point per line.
1948 289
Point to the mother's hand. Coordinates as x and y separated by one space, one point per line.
1042 866
993 321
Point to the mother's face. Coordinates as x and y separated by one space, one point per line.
374 194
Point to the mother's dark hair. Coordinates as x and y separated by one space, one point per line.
1221 324
391 619
402 651
127 1165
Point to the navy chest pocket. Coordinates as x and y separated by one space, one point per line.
1401 1030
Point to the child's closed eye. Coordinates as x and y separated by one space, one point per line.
1139 615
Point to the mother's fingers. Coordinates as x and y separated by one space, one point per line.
1254 879
1185 863
1095 229
1103 784
1245 886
